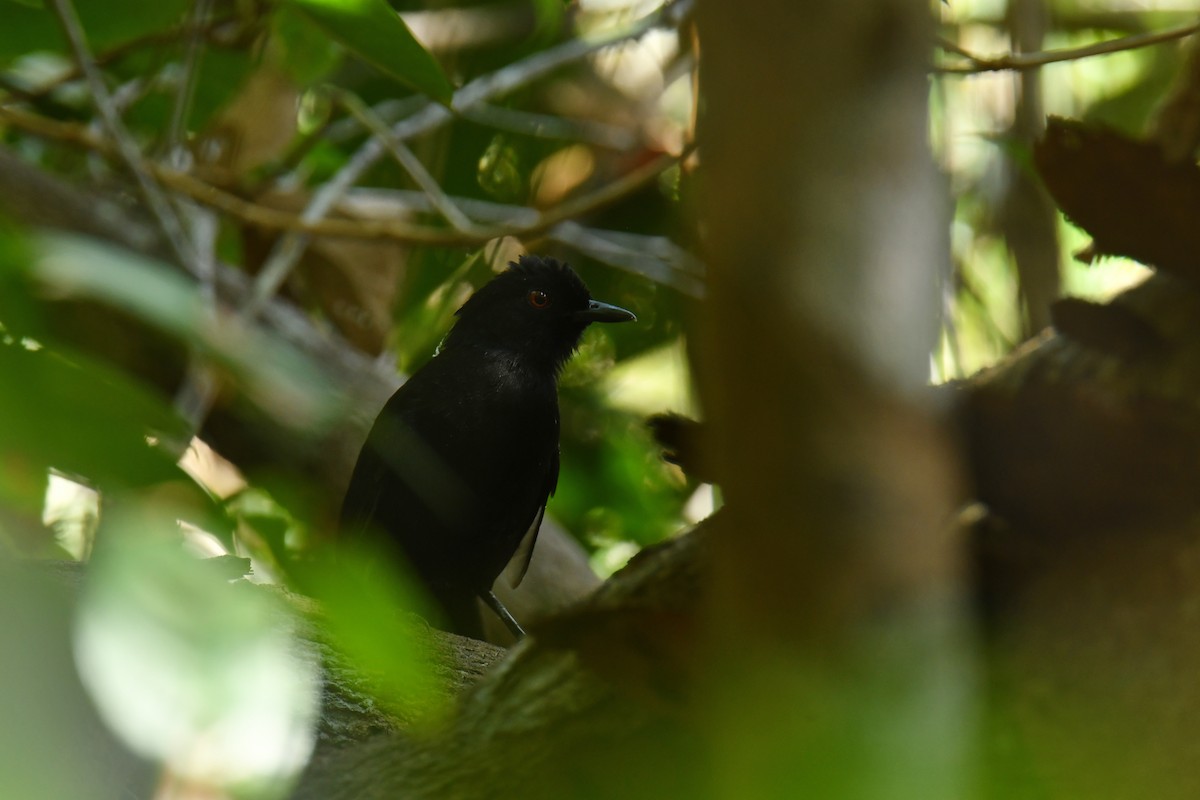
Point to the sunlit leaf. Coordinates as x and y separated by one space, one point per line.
189 670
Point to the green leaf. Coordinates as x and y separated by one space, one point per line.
269 373
373 31
365 596
29 26
222 75
187 668
301 49
548 16
81 418
500 171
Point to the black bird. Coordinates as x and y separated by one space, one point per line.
458 466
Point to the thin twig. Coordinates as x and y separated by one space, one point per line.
126 149
1023 61
673 273
548 126
186 93
288 250
117 52
195 398
408 161
654 257
530 222
951 46
389 111
606 194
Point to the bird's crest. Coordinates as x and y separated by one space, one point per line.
538 266
542 267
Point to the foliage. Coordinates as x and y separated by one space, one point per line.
221 143
984 149
372 169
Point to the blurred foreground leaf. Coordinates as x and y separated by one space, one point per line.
52 745
78 418
204 676
271 374
369 605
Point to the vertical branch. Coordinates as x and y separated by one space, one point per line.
1028 215
839 667
194 399
184 97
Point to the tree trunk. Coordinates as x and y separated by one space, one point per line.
839 666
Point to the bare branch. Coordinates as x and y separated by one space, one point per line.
654 257
1023 61
408 161
516 221
126 148
547 126
220 31
675 272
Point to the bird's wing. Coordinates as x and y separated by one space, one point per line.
518 565
362 494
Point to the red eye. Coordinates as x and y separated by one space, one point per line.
538 299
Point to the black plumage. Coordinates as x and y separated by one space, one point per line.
457 469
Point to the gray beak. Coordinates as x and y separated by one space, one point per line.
603 312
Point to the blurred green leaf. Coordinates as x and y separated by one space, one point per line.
614 485
368 602
372 30
52 744
92 423
270 373
300 48
499 172
18 316
30 26
82 419
548 16
221 76
190 669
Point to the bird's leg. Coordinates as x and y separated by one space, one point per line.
510 622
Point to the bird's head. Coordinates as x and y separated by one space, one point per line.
537 307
